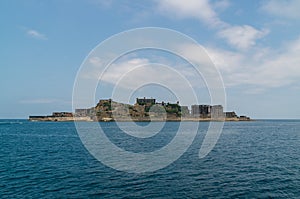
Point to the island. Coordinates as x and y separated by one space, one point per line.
144 109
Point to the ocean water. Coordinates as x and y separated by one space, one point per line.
259 159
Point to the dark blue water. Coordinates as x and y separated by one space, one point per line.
258 159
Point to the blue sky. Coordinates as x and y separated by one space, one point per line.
255 45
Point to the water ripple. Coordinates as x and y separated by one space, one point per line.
251 160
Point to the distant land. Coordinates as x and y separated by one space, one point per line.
145 109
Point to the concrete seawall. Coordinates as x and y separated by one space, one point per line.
58 119
88 119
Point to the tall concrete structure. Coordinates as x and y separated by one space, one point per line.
84 112
231 114
217 112
145 101
201 111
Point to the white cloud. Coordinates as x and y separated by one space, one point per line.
255 70
224 60
242 37
282 68
285 8
115 72
262 69
201 10
221 4
137 69
35 34
132 72
95 61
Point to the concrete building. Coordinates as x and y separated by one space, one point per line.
217 112
62 114
231 114
244 118
195 112
201 111
145 101
83 112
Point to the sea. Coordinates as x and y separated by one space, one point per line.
253 159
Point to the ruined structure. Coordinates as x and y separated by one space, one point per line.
144 109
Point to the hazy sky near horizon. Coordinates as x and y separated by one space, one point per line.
255 45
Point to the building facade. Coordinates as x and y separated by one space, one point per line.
217 112
231 114
201 111
145 101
